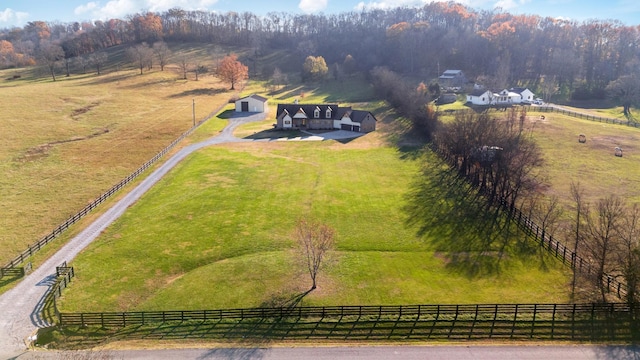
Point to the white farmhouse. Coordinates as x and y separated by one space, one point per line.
480 97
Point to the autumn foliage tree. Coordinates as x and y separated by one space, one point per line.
314 68
232 70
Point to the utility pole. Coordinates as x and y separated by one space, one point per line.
194 112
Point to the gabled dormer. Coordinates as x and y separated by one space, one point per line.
316 113
328 113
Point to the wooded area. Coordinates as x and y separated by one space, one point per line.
569 58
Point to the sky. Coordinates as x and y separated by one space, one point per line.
19 12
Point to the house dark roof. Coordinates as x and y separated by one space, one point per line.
478 92
337 112
359 115
308 110
518 90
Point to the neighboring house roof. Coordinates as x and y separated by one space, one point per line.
359 115
478 92
451 73
518 90
257 97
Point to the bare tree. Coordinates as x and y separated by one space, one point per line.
628 256
140 55
50 55
581 208
184 63
314 240
162 52
603 231
98 60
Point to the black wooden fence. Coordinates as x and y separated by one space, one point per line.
555 247
560 251
552 109
49 310
614 321
32 249
589 322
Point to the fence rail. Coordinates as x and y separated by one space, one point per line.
549 321
546 241
553 109
32 249
559 250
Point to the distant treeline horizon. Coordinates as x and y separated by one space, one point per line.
498 49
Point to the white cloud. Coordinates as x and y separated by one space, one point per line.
311 6
121 8
510 4
83 9
9 17
388 4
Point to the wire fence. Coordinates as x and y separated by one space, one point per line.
9 269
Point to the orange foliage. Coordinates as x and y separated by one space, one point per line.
397 29
232 70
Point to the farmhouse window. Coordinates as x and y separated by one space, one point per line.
316 113
328 113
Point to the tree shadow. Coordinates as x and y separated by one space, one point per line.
198 92
473 237
283 300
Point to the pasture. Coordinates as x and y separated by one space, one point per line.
66 142
593 163
216 233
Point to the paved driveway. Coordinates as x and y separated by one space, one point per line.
20 307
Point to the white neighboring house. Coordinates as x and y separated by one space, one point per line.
513 96
252 103
526 95
506 97
480 97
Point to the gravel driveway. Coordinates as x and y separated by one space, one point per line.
20 307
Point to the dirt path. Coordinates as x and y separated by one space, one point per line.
21 306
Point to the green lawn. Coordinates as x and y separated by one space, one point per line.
216 233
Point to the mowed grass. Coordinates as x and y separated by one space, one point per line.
217 233
66 142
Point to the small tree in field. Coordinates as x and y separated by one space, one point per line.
232 70
314 240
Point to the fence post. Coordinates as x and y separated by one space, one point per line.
533 323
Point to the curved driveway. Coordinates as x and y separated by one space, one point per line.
20 307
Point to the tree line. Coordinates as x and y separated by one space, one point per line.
566 57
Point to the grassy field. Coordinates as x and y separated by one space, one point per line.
66 142
593 163
216 233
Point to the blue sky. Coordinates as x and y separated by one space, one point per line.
19 12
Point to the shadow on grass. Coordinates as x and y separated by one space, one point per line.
473 238
197 92
256 333
287 301
274 134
